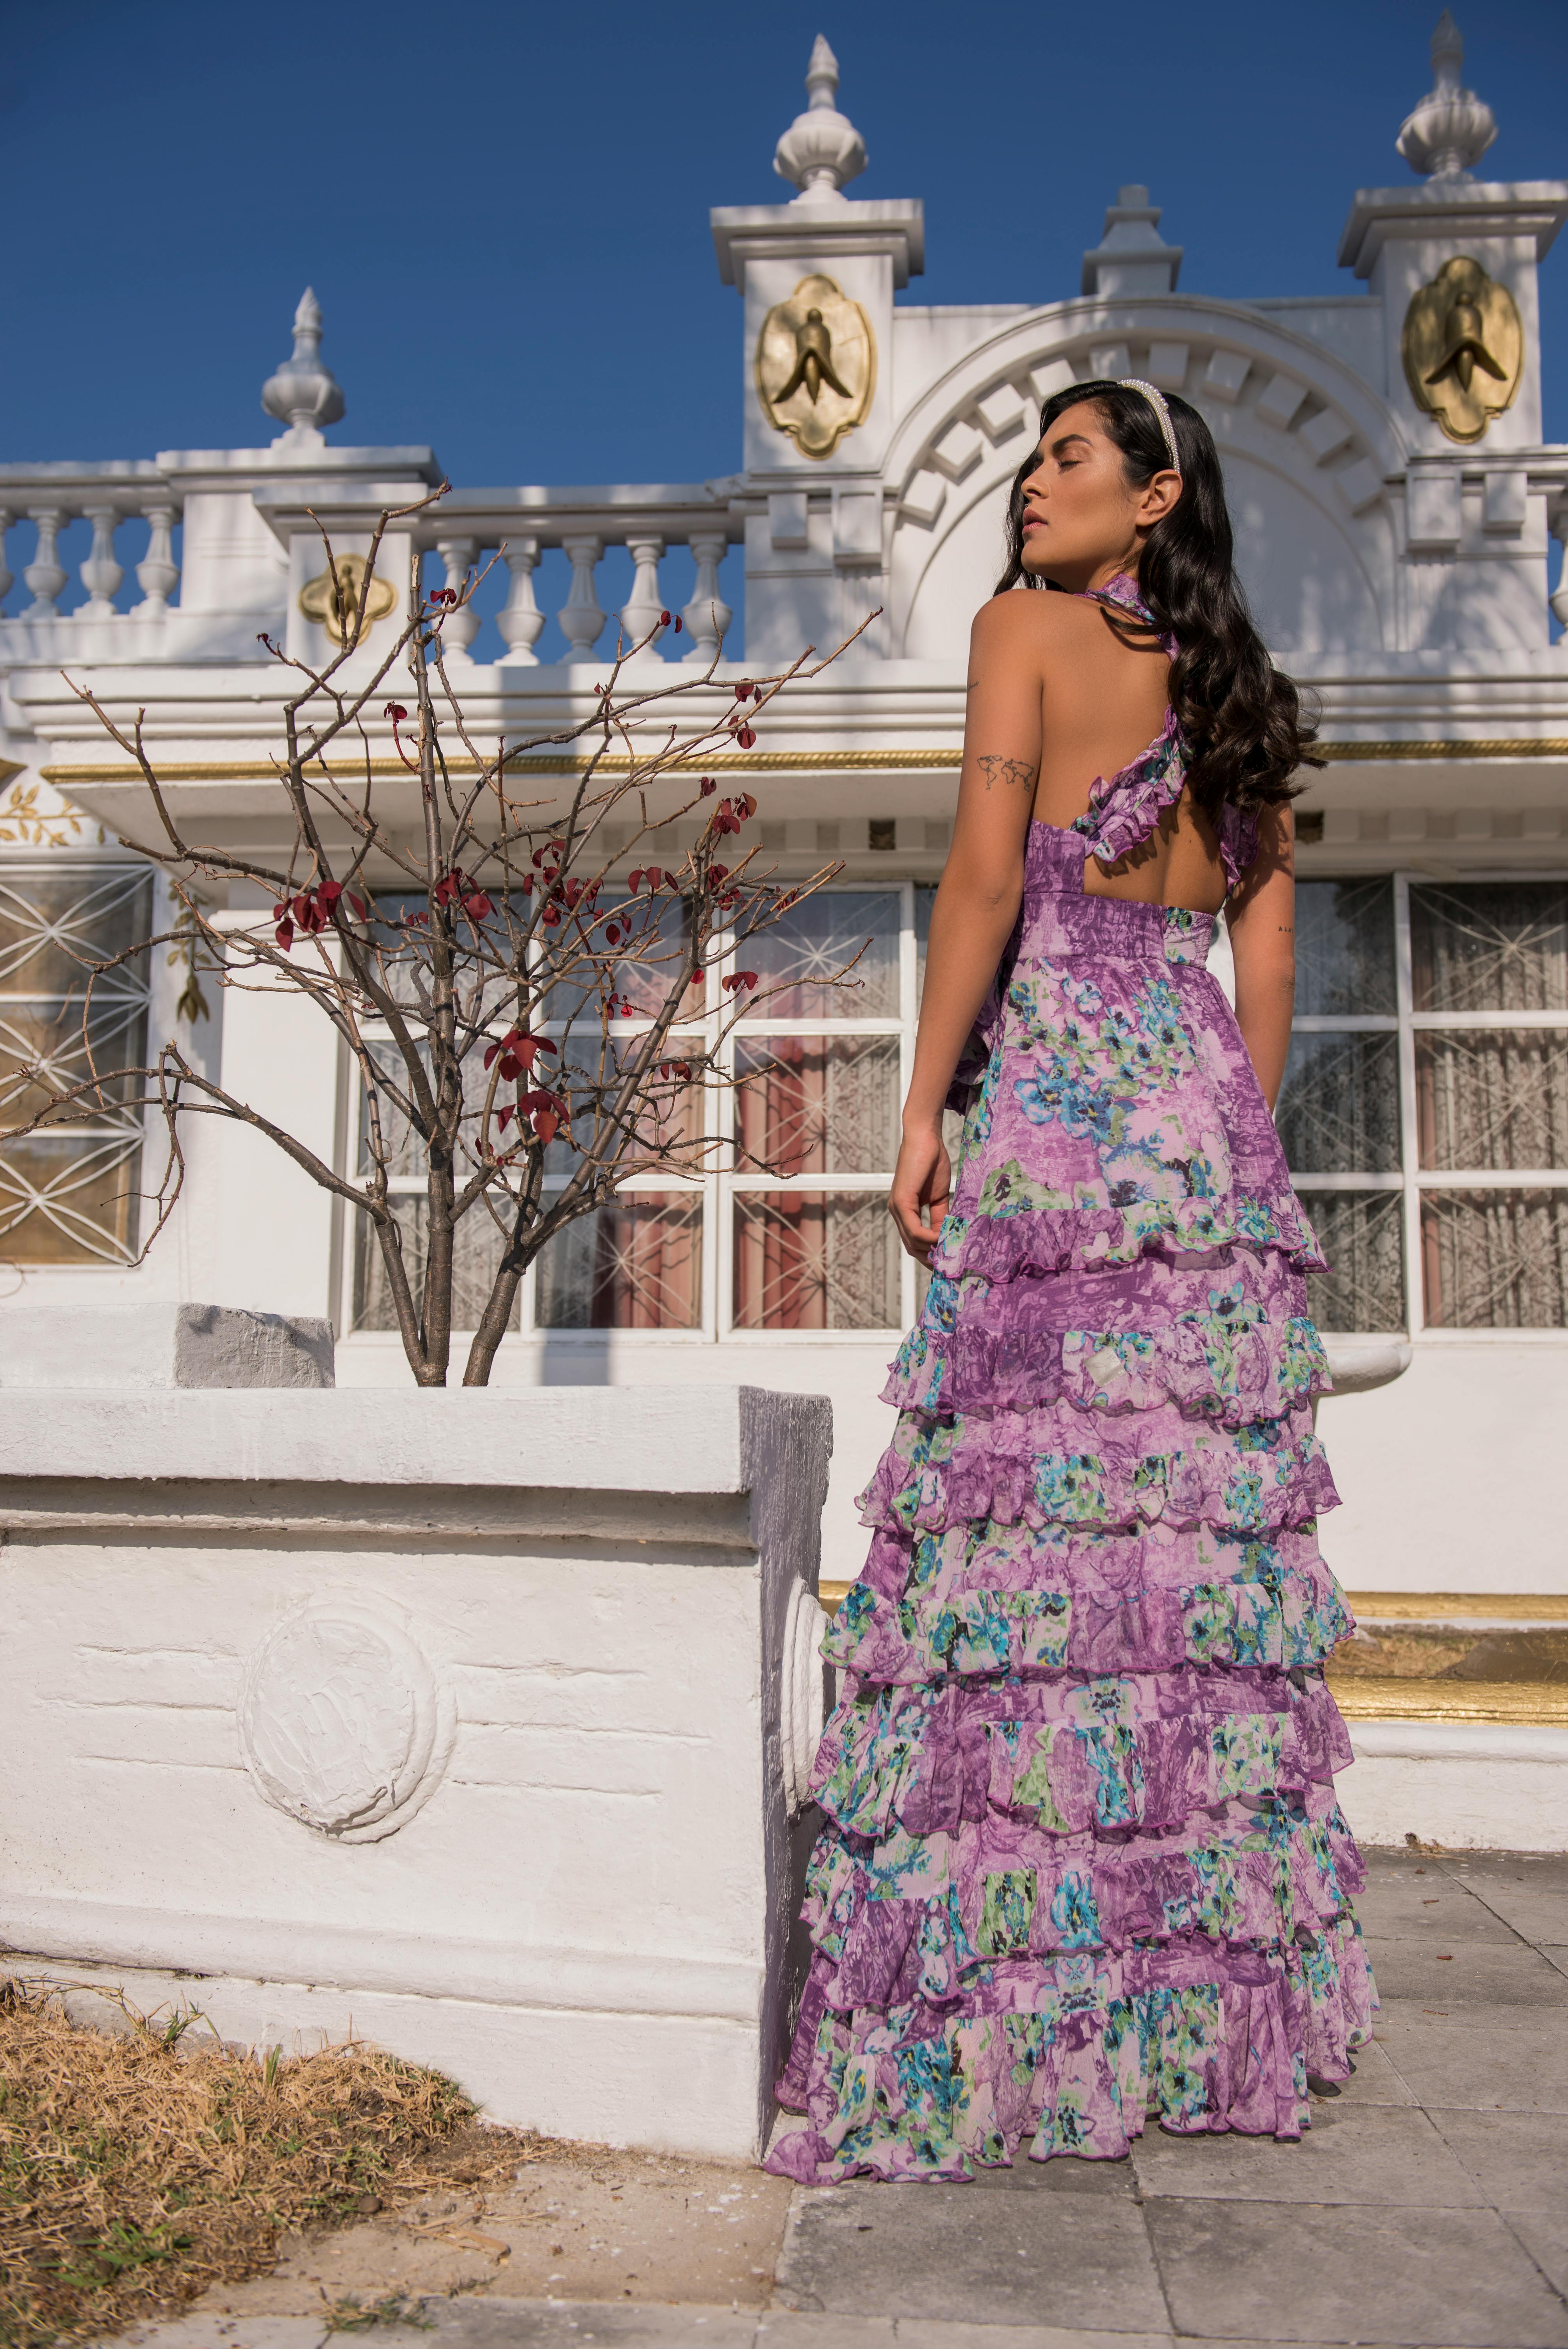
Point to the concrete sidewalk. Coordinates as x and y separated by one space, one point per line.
1428 2207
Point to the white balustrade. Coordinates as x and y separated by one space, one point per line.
101 574
640 614
44 574
519 619
706 616
158 575
462 623
581 621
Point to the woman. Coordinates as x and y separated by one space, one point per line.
1083 1859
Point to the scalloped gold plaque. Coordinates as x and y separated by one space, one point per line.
333 608
1463 347
815 365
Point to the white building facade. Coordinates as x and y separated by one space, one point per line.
1395 505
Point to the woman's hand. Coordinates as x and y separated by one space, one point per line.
921 1182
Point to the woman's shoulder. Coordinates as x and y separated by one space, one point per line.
1024 621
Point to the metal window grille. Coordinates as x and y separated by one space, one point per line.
71 1196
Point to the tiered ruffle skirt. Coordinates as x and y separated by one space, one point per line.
1081 1862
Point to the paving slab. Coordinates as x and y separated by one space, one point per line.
1296 2273
1397 1904
1378 2157
1544 2235
1064 2173
1374 2081
950 2253
213 2331
491 2322
1554 1956
1462 2056
1518 2160
1531 1895
1443 1970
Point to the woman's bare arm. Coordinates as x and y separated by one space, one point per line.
1262 921
981 889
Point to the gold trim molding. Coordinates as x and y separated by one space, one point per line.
1524 1703
1457 1606
748 763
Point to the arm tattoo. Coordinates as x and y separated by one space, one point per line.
997 770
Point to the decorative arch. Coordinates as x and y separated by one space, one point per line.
1310 451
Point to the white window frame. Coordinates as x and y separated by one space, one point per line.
1412 1179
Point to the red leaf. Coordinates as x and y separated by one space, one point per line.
634 879
511 1067
747 736
358 906
664 619
655 877
285 935
330 892
544 1125
746 804
396 712
490 1051
738 979
677 624
613 935
300 907
503 1116
478 907
708 787
743 692
717 873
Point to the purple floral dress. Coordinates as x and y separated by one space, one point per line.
1082 1860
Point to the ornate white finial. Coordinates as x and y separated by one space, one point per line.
1451 128
303 394
821 149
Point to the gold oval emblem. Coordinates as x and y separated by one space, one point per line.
815 365
1463 347
334 607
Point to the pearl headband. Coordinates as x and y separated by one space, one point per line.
1161 413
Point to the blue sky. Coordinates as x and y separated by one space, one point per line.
503 208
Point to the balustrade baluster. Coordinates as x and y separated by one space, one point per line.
640 614
5 574
519 619
101 574
581 621
158 574
462 626
706 616
44 574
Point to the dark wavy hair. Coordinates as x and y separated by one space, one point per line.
1240 718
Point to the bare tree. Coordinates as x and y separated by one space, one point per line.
505 1002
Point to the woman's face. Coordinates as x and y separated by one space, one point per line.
1083 520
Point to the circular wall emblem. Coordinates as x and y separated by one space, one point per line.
343 1723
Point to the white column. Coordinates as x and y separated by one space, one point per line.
640 615
519 619
159 574
44 574
706 617
461 625
101 574
581 621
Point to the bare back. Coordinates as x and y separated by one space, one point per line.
1102 703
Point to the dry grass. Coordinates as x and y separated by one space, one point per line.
137 2169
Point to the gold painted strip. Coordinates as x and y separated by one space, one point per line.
555 762
1457 1606
753 762
1552 746
1536 1704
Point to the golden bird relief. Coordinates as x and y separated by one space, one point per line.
1463 348
333 604
815 365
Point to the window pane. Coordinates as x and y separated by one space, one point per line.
1495 1259
802 953
1338 1109
476 1252
1490 946
70 1198
53 924
1361 1233
817 1105
1344 947
642 981
635 1264
1494 1097
815 1260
